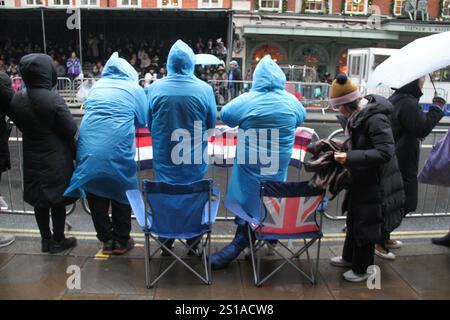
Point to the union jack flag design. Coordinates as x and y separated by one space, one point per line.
223 145
290 215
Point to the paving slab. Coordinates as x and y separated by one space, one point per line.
287 284
4 258
180 283
28 246
118 276
336 282
36 276
427 275
396 293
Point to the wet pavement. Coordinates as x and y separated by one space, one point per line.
421 271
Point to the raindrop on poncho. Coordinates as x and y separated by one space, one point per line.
179 101
116 104
267 106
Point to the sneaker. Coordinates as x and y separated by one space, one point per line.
6 241
354 277
384 253
444 241
3 204
122 248
108 247
45 245
60 246
339 262
393 244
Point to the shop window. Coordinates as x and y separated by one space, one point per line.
356 6
313 5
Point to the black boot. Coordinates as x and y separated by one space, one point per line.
59 246
444 241
45 245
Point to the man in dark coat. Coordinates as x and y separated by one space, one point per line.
49 133
6 94
375 198
409 125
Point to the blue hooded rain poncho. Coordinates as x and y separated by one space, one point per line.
106 148
266 106
177 102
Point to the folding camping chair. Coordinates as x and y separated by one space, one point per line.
288 211
177 211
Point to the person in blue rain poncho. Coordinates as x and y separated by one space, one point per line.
106 168
265 108
182 107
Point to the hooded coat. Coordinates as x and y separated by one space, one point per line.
116 104
6 94
179 101
49 133
409 125
267 106
375 197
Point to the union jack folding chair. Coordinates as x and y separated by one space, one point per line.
177 211
288 211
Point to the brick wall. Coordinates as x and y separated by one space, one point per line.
433 8
337 6
291 5
385 6
149 3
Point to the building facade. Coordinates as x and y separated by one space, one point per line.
311 33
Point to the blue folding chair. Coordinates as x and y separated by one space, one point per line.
177 211
287 212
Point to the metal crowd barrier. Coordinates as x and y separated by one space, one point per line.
12 187
434 201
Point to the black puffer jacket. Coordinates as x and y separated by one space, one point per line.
409 125
48 133
6 94
375 198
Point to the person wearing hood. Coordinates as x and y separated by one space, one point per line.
184 102
267 109
374 200
49 133
106 168
409 125
6 94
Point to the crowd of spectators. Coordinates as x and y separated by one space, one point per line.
148 57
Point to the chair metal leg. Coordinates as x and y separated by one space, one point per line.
147 260
252 254
317 261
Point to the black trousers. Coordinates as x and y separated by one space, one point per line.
361 256
58 215
118 227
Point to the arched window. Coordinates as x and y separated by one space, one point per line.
266 49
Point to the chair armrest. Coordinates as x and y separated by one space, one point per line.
235 208
138 206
